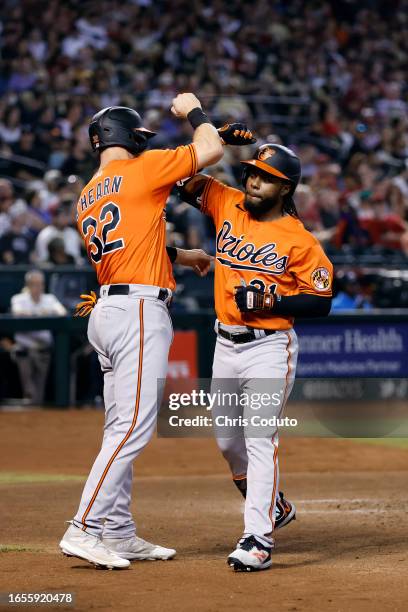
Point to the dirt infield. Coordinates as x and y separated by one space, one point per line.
346 551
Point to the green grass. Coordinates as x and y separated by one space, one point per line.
5 548
20 478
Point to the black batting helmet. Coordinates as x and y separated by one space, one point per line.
277 160
118 126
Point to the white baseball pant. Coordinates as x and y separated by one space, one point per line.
265 365
132 335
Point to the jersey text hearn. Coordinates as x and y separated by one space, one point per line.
245 256
104 188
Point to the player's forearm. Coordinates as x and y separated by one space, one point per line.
303 305
209 149
197 259
207 143
190 190
236 134
182 257
179 256
252 299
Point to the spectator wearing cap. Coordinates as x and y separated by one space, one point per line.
350 296
59 228
32 350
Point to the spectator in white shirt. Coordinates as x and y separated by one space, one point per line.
48 193
32 350
59 228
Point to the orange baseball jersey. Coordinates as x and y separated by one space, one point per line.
279 256
121 216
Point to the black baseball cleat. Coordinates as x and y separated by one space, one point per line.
285 511
250 556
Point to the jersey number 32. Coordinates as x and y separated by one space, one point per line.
98 231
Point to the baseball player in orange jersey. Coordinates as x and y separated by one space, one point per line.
120 215
269 269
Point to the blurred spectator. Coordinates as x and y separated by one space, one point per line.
59 228
328 79
349 230
10 125
57 254
6 201
187 223
350 296
32 350
17 244
49 194
9 205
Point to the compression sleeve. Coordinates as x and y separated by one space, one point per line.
305 305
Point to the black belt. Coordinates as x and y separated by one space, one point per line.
241 338
125 289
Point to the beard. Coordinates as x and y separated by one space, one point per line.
260 207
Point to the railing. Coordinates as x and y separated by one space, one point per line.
65 328
12 279
276 110
22 160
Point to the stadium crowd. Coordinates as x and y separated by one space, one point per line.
326 78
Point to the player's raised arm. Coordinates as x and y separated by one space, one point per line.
206 139
191 189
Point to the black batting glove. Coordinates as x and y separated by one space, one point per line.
236 134
252 299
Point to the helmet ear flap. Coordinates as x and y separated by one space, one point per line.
141 140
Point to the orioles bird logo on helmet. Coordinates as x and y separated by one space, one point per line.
265 152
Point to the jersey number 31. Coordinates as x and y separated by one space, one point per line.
98 231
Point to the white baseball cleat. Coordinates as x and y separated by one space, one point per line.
135 548
250 556
77 543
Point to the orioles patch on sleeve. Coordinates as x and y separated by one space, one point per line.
321 279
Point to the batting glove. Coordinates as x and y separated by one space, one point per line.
236 134
252 299
83 309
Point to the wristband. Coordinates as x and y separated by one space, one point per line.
197 117
172 253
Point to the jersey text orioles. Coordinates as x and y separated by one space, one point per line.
278 256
